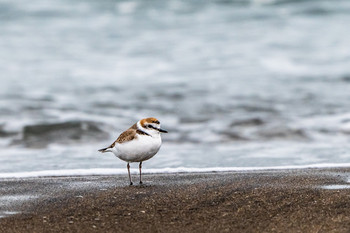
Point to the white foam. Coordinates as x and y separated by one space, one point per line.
7 213
336 186
9 199
112 171
126 7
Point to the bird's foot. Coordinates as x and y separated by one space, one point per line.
131 183
141 182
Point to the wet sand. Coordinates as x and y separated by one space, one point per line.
254 201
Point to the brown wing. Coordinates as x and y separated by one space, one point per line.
126 136
134 126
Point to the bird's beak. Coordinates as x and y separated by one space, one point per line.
162 131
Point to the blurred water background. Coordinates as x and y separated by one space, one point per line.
241 83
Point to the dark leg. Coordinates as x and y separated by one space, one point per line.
128 166
140 167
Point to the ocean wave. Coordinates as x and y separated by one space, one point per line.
4 133
252 129
256 129
41 135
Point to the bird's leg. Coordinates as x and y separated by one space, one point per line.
128 166
140 167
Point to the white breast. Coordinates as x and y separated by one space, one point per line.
142 148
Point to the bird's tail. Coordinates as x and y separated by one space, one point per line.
107 149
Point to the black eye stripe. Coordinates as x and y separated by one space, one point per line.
151 126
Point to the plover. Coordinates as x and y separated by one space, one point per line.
138 143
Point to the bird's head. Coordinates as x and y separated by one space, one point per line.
150 125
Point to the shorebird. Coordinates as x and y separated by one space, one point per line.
138 143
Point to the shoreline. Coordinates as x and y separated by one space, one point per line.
168 170
287 200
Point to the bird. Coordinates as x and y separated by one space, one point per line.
138 143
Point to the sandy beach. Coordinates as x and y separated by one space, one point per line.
298 200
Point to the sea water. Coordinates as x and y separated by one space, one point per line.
238 84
